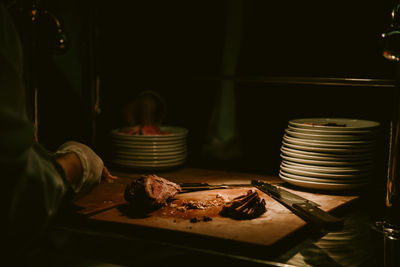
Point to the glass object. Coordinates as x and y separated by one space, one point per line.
389 227
391 38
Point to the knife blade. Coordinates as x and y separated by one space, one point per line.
191 187
305 209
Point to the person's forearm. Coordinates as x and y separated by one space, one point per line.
72 167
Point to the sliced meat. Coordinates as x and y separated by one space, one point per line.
150 192
244 207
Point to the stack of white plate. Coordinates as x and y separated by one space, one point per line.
328 153
150 152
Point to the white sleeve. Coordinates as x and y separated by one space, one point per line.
92 165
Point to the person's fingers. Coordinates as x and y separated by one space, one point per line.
108 176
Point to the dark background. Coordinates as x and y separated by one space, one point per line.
176 49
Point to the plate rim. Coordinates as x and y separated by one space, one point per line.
326 137
318 143
300 123
321 158
322 186
339 177
332 132
328 169
319 154
323 163
181 133
326 149
150 164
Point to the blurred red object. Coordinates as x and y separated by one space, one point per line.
143 130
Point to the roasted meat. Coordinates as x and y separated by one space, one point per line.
150 192
244 207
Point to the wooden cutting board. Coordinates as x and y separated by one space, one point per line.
271 229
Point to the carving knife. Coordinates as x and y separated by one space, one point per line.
300 206
190 187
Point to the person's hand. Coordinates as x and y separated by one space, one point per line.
92 166
108 176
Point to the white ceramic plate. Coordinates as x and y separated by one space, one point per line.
329 144
350 156
175 133
149 146
322 158
327 150
322 180
155 164
328 170
144 159
150 151
147 142
347 124
322 186
329 132
332 177
327 137
324 162
138 152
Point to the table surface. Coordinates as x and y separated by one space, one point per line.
265 237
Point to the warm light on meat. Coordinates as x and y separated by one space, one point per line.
150 192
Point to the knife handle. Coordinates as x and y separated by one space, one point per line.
317 217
